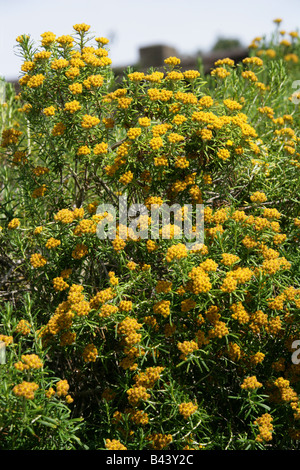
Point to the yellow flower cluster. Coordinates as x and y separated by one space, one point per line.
58 129
265 428
26 390
136 76
14 223
134 132
219 330
39 192
287 393
160 441
163 286
200 280
23 327
223 154
176 252
191 74
136 394
59 64
186 348
94 81
80 251
114 444
72 106
172 61
37 260
6 339
35 81
148 378
90 353
139 417
162 307
257 358
107 310
187 305
187 409
29 361
89 121
232 105
125 305
126 178
62 388
220 72
251 383
50 111
229 259
239 313
52 243
64 216
128 328
81 27
10 136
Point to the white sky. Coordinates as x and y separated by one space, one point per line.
187 25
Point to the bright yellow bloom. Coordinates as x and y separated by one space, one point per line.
81 27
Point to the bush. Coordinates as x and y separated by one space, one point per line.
141 343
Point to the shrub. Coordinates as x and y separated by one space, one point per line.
145 343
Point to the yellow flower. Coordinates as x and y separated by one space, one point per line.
27 66
14 223
258 196
126 178
156 143
37 260
172 61
223 154
90 353
36 80
176 252
249 75
58 129
52 243
162 307
220 72
65 40
136 76
114 444
191 74
83 150
59 284
102 40
25 389
47 38
59 64
80 251
93 81
144 122
89 121
75 88
134 132
50 111
23 327
251 383
232 104
174 76
72 106
81 27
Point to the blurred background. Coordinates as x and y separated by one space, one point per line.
189 28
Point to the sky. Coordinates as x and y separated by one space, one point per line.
186 25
